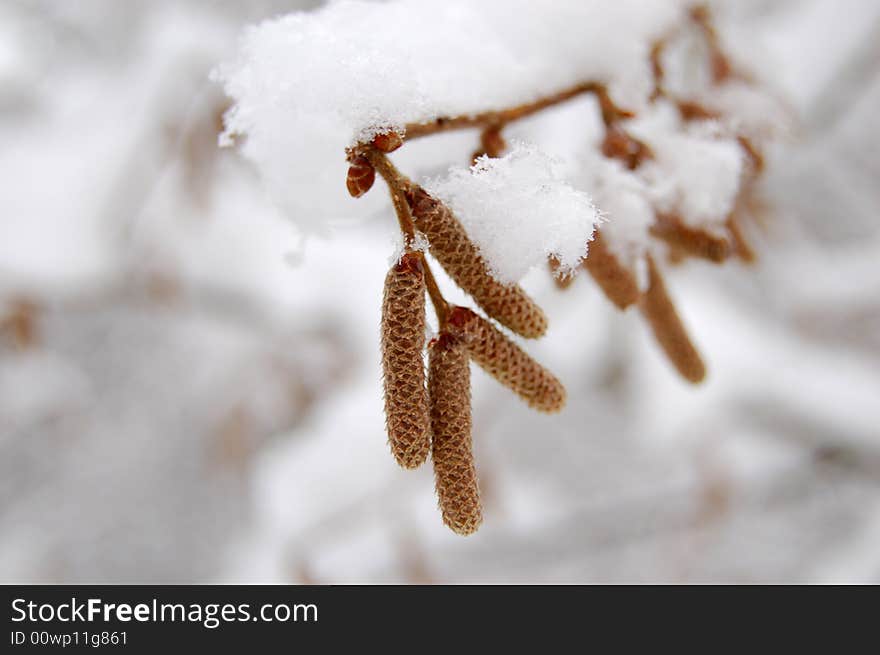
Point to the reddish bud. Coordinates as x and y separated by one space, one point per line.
361 176
387 142
410 262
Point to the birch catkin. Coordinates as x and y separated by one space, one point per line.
691 241
615 280
450 245
455 475
658 309
403 340
507 362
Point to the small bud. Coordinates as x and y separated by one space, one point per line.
387 142
361 176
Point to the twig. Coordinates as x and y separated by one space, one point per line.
398 184
500 117
441 307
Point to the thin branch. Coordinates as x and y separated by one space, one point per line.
398 184
441 307
500 117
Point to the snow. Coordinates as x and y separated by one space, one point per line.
307 85
696 171
109 422
519 210
626 206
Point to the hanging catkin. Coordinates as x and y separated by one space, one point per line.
658 309
507 362
615 280
690 241
450 245
403 340
449 387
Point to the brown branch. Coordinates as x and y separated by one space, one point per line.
740 244
657 70
499 117
398 186
441 306
492 143
722 69
628 150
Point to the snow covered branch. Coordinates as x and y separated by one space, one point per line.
666 176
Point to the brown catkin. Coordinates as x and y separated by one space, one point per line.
691 241
618 283
450 245
507 362
660 313
403 341
455 476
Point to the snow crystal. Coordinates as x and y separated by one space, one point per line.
518 210
403 245
307 85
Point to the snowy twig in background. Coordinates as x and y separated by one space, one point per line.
673 168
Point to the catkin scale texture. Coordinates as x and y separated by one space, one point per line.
458 255
403 340
455 474
660 313
506 362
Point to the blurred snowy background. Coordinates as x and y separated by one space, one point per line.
189 393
